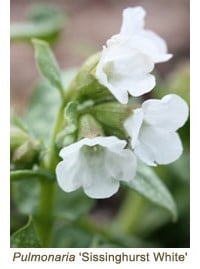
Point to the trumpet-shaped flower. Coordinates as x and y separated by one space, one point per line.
152 129
129 57
96 164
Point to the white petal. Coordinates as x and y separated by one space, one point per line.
169 113
67 176
158 146
142 85
130 61
133 20
111 142
144 153
124 69
101 183
148 47
73 148
119 93
133 125
158 45
121 166
102 187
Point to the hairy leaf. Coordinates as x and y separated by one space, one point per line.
149 185
25 237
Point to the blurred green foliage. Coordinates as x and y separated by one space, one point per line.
44 22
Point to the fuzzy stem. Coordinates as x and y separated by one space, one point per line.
44 218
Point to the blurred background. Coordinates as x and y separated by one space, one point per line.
84 30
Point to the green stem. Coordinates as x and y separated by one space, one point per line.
128 218
44 218
53 154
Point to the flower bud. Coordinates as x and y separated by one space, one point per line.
17 137
89 127
111 114
24 149
26 154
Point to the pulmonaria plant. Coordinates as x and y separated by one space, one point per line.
103 135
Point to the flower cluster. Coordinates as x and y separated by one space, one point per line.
98 163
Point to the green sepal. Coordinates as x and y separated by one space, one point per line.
111 114
86 86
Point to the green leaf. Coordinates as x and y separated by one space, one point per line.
43 107
26 237
81 233
25 194
68 235
149 185
45 22
47 64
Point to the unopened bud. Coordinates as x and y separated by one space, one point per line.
17 137
26 154
89 127
111 114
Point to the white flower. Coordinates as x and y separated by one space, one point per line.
147 41
129 57
97 164
152 129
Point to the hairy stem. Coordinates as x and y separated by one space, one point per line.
44 218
